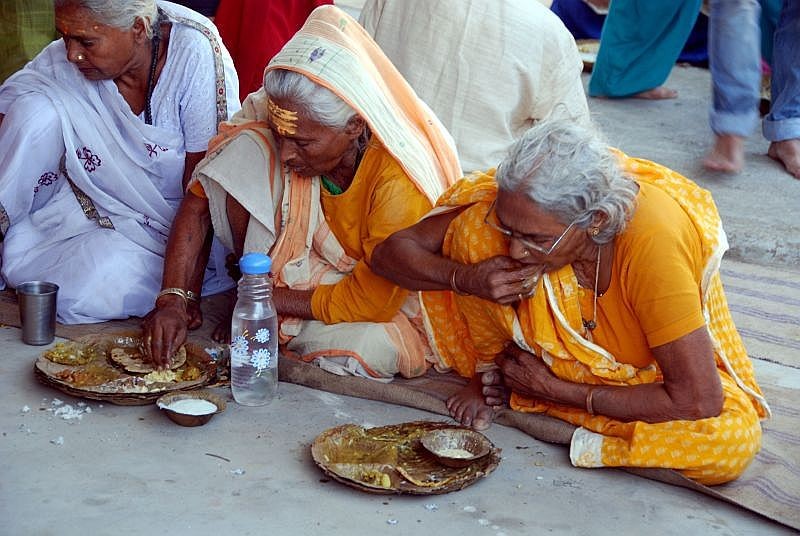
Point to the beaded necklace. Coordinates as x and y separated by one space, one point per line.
151 78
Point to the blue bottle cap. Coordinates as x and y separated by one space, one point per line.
255 263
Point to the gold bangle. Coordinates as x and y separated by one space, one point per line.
453 285
187 295
589 396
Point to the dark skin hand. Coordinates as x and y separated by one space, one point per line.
417 250
691 388
164 328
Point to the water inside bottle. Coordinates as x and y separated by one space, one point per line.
254 359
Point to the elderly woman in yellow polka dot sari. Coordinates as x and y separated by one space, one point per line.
585 284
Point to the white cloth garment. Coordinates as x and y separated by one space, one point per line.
88 191
487 68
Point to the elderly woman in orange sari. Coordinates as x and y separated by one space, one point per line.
330 157
586 284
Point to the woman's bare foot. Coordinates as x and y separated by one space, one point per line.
657 93
468 406
727 155
222 333
787 152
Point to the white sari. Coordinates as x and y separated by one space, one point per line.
88 190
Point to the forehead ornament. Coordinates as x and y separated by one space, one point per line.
285 121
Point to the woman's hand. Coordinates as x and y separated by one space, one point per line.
526 374
164 329
499 279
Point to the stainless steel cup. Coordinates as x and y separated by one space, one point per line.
37 311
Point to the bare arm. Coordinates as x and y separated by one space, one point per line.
691 389
412 258
165 327
195 284
288 302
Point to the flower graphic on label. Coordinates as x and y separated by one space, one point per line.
262 335
260 359
239 346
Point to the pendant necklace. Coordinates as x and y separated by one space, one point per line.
591 324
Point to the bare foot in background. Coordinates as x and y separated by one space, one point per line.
468 405
727 155
787 152
222 333
657 93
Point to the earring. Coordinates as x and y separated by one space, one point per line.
594 231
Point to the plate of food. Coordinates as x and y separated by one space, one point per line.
113 368
392 459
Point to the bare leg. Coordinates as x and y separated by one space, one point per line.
727 155
787 152
468 405
657 93
238 218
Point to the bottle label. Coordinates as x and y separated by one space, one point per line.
253 348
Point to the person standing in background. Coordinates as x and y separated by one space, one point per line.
735 62
735 74
489 69
255 30
638 47
782 124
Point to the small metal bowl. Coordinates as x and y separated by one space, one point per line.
170 404
456 447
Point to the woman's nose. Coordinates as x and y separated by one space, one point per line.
74 52
517 250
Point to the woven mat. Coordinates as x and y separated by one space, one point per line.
770 486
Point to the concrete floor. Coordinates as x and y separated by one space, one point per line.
129 470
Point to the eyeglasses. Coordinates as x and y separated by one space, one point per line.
527 242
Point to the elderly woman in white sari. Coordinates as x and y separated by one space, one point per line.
98 137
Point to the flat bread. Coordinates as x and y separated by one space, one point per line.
132 360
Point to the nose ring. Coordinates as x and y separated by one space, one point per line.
80 57
525 252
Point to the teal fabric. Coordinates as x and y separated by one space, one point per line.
639 44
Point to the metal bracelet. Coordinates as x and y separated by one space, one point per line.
588 402
187 295
453 285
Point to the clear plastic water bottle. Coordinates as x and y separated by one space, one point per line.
254 334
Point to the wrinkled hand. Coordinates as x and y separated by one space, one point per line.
164 329
499 279
526 374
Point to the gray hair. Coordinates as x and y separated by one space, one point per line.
569 171
321 104
120 14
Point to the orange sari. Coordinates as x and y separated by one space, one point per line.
467 333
